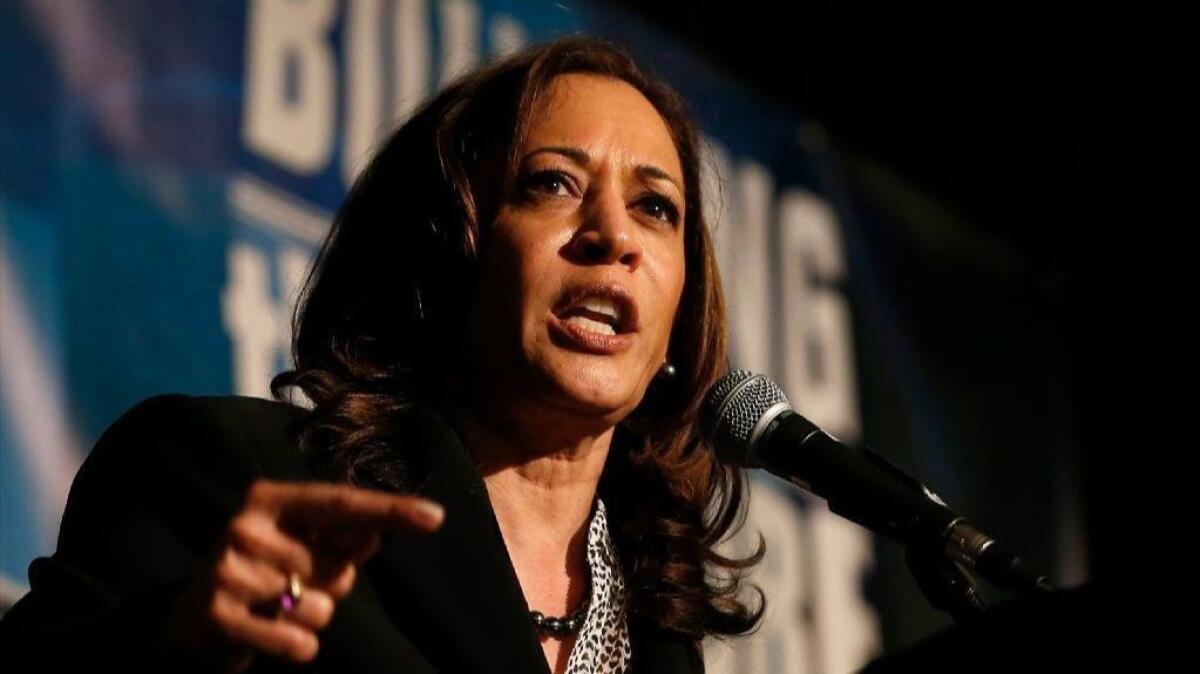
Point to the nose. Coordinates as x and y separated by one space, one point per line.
608 235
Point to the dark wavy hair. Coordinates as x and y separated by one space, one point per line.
380 324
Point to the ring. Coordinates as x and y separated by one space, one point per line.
291 596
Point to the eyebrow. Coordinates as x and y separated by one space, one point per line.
584 159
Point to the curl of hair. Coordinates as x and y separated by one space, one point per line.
377 328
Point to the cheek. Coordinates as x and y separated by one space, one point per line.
524 281
497 307
672 280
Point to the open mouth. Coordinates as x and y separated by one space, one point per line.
601 309
594 317
599 319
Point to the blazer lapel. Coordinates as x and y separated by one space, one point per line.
454 593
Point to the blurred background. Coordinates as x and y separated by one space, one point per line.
903 197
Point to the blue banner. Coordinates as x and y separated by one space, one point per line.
167 169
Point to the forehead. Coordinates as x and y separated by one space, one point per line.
606 117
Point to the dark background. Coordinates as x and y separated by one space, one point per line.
985 150
1001 131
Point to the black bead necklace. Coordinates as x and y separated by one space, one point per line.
569 624
560 627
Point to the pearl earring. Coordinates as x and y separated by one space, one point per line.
667 370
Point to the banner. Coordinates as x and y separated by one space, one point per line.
167 169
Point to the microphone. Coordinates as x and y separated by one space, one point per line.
748 422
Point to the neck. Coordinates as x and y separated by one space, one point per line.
543 481
541 487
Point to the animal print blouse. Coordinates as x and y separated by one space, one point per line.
602 645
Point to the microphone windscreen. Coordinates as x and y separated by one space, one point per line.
734 413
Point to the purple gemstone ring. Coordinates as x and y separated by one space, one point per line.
290 599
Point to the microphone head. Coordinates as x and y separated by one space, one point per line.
735 413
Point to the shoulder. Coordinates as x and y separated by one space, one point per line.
199 437
236 418
178 459
150 499
246 412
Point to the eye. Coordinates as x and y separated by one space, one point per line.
660 208
554 183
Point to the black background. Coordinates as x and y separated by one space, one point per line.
1034 127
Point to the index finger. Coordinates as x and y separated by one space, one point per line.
323 505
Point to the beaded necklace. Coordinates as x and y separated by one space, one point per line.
560 627
571 623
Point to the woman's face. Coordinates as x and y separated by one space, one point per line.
583 267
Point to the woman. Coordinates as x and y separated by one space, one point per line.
505 339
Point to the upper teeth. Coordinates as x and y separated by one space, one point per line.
604 306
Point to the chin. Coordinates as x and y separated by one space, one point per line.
601 390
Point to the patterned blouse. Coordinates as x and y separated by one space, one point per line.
602 645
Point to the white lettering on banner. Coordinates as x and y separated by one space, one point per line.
755 186
738 209
257 202
258 323
715 170
292 263
291 97
786 642
818 358
505 36
288 108
842 618
826 555
460 37
364 87
410 39
248 313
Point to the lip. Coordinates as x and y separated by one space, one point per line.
570 335
576 294
573 336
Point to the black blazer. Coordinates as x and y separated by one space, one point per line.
162 483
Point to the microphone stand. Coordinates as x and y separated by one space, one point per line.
947 584
945 554
747 419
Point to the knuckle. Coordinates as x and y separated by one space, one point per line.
225 572
322 612
343 583
259 491
225 556
243 532
371 547
302 645
300 560
341 500
278 641
347 579
223 614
